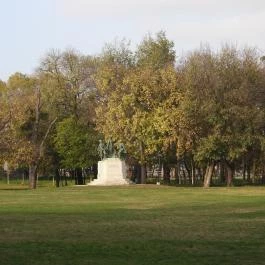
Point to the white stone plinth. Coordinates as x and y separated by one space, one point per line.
111 171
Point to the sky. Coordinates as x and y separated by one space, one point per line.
30 28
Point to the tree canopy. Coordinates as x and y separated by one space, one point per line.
204 111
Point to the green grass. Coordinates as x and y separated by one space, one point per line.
132 225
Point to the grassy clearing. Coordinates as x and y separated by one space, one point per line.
132 225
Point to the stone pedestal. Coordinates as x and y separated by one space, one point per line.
111 171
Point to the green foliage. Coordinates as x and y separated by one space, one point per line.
19 113
206 107
132 93
156 52
221 87
75 143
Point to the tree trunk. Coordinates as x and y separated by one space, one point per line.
178 178
192 172
7 176
244 169
187 169
23 177
208 175
65 180
254 172
37 143
230 174
143 165
248 172
143 174
222 171
79 177
83 176
57 177
32 176
184 176
167 174
263 176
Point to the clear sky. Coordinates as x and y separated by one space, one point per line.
29 28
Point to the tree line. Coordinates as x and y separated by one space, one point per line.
204 110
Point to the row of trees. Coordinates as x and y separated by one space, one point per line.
204 109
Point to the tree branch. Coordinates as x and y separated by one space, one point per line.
46 135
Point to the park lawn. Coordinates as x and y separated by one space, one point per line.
132 225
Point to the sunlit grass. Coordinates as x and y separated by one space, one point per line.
132 225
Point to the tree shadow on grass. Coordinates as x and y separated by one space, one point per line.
15 188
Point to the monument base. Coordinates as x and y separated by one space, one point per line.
111 171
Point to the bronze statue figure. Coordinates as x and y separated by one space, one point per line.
101 150
122 151
107 150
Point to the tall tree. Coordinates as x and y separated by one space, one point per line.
132 87
69 81
29 123
221 86
72 96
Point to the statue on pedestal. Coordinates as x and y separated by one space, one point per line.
107 150
112 168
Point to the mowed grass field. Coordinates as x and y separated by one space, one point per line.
132 225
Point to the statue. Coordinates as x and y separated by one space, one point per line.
101 150
112 168
122 151
107 150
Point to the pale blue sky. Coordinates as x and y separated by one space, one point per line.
29 28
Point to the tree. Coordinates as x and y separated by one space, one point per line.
222 88
131 93
4 115
29 123
155 52
72 96
76 144
69 83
